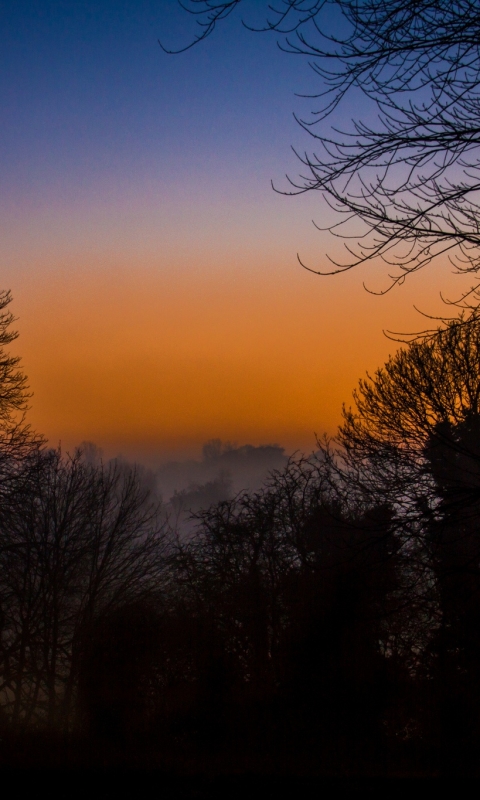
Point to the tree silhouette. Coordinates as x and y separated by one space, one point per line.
454 539
77 541
117 679
16 437
427 393
406 167
329 620
296 585
414 437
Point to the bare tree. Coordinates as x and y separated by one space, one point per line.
425 394
13 384
404 173
288 576
76 541
413 437
16 438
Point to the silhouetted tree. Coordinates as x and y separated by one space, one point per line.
428 389
76 542
118 680
454 538
16 438
339 678
18 445
406 167
414 437
297 586
13 384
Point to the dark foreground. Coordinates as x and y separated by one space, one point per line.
79 766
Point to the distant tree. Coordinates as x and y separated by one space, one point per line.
199 496
406 165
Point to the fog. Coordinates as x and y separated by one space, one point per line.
186 486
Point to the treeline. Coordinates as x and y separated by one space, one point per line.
328 623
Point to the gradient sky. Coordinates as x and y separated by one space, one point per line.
153 269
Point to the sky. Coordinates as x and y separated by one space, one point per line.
154 271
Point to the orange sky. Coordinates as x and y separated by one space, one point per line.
153 268
152 362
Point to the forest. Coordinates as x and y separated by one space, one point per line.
326 623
